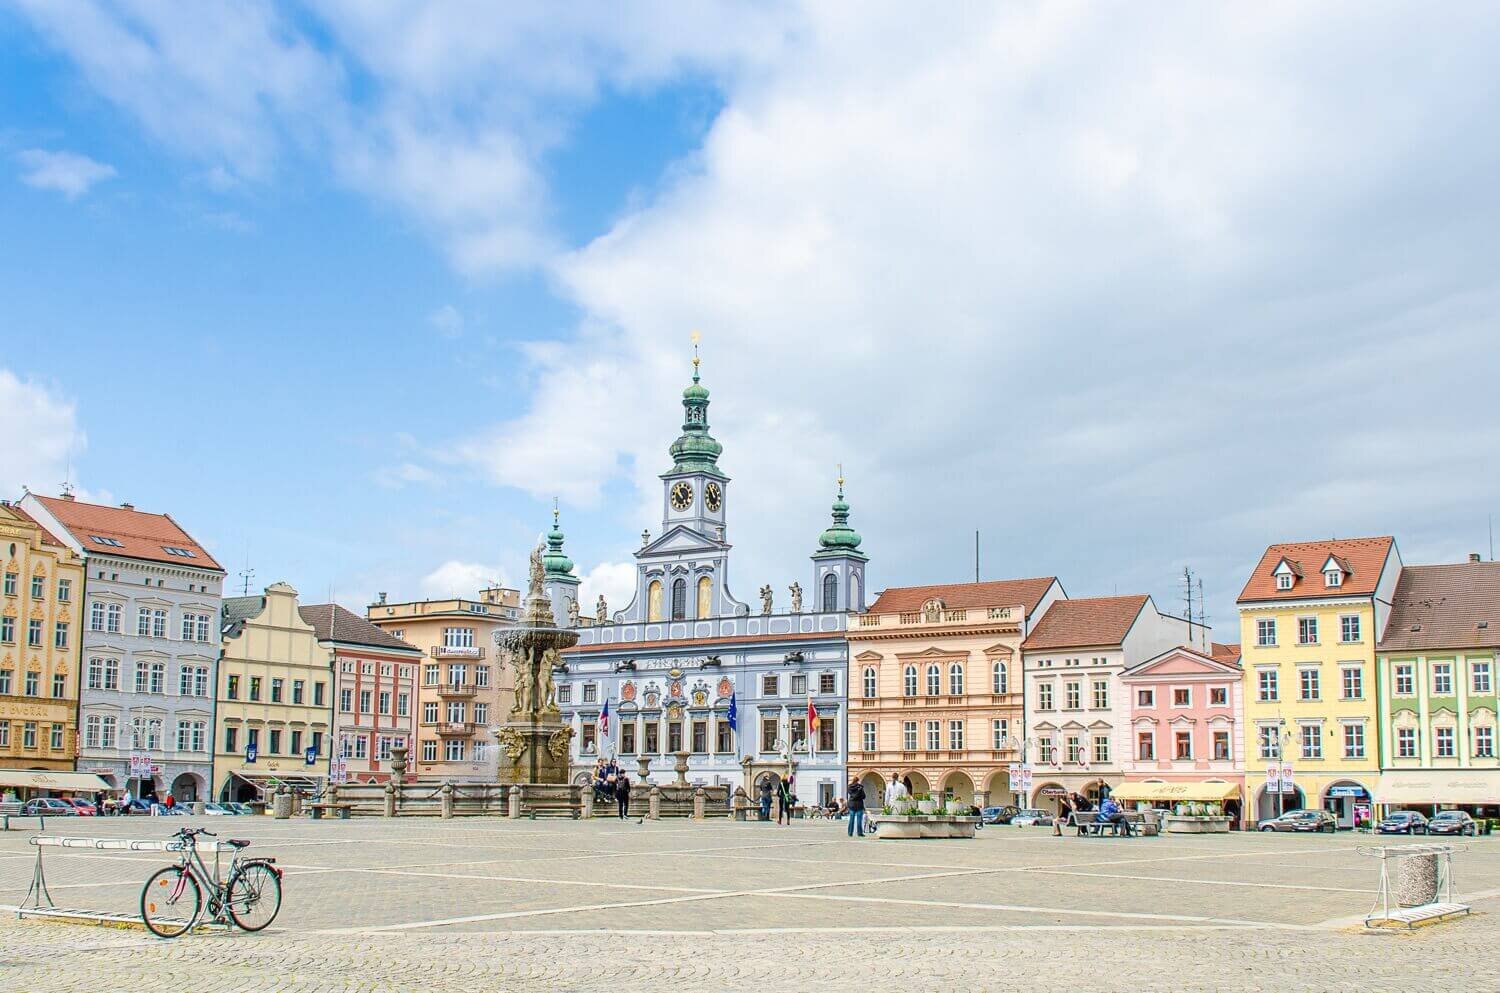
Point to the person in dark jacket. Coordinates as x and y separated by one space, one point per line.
1064 811
787 793
765 800
856 808
622 794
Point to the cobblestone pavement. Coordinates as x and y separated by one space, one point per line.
498 905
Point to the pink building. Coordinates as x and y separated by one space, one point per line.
1186 735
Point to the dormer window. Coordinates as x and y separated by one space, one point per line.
1286 574
1333 577
1284 581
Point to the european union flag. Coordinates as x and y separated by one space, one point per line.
734 714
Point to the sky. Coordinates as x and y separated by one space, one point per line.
355 290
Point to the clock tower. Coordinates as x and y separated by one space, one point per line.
695 490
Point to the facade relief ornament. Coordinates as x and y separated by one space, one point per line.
627 691
559 741
796 591
572 613
601 610
512 741
765 599
726 687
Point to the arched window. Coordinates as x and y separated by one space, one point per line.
830 592
855 602
1000 679
679 599
870 683
934 681
705 596
909 681
956 679
653 601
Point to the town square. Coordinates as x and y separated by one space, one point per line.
749 496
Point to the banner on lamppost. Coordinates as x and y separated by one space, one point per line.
1273 778
1288 784
140 765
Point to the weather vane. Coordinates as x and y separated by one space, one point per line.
841 480
696 338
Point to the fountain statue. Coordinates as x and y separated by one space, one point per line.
534 741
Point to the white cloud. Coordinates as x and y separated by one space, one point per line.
67 173
455 578
394 477
614 580
447 321
41 437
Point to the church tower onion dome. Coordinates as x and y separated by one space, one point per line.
554 561
695 450
840 537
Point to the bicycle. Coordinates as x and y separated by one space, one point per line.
172 900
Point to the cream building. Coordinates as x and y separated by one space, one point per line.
274 707
462 692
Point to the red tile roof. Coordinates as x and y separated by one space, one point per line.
1083 623
47 536
997 593
1362 558
1220 652
1446 604
334 623
141 535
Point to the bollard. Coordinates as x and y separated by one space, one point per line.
447 801
390 800
699 800
586 795
514 813
296 803
197 806
653 806
282 804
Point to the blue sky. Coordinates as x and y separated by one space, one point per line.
354 291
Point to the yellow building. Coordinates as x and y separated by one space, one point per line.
463 692
40 608
1310 617
274 700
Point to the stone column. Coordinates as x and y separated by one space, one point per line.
653 806
586 801
447 801
390 800
699 798
514 810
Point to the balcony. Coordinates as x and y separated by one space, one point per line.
452 652
457 691
960 615
457 729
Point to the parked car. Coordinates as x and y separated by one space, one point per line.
177 810
1452 822
48 806
1403 822
83 807
135 808
218 809
998 815
239 808
1032 817
1302 820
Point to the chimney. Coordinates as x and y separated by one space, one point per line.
127 506
68 495
1474 557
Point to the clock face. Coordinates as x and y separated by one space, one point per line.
682 495
713 498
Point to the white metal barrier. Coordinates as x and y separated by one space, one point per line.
34 906
1422 889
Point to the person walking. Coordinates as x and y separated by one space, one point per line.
765 800
622 794
788 796
1064 810
856 809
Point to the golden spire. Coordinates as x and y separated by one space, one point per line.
841 480
696 338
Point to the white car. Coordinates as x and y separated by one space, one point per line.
217 810
1032 817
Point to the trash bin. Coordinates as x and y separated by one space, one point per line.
1416 880
283 806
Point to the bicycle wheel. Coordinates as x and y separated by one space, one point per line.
171 902
254 897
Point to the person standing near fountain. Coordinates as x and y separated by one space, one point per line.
622 794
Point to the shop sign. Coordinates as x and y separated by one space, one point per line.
1353 792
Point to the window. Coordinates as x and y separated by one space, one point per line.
627 738
232 687
385 702
482 676
1349 628
1046 751
38 587
653 737
1218 696
1307 630
1442 742
96 616
1333 578
798 727
365 697
5 678
956 679
934 735
867 736
55 739
346 700
1406 679
33 684
590 692
1479 678
1309 684
431 674
150 678
869 683
1101 748
112 614
11 579
1354 741
28 735
999 734
564 692
1265 632
826 742
319 691
725 735
1145 746
34 633
1406 743
679 599
1101 694
909 681
999 678
1074 695
453 749
909 736
455 711
192 680
1442 679
1284 581
1312 740
1221 746
59 686
770 685
1145 698
1484 742
194 627
108 731
1269 742
191 735
1074 749
1182 696
181 553
1044 696
275 748
1266 685
277 684
64 591
254 688
1182 746
827 683
700 737
1352 682
429 751
769 732
299 690
458 637
830 592
956 736
934 680
5 734
60 634
799 684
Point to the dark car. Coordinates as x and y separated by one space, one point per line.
48 806
1402 822
998 815
1452 822
1302 820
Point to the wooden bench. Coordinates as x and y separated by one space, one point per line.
1088 825
340 810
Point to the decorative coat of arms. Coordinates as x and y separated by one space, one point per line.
653 697
726 687
627 691
674 690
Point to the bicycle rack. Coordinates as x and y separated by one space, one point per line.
33 906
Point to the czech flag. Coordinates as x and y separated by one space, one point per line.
604 720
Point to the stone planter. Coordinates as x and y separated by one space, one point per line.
927 806
907 826
1183 824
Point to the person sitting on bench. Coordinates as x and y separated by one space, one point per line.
1111 813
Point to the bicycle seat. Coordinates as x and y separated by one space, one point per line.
237 843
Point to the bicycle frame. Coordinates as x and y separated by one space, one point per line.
216 891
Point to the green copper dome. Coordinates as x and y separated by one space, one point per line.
840 537
554 562
695 450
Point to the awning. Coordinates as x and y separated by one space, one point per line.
1439 786
36 779
257 778
1176 791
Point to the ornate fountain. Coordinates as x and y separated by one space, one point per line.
534 741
